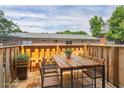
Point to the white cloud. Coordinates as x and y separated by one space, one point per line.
17 14
59 21
53 19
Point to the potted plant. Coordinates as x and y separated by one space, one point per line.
22 65
68 53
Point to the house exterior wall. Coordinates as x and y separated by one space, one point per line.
58 41
29 41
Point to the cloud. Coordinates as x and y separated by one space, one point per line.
55 18
17 14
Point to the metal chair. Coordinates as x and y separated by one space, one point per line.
95 73
49 79
49 67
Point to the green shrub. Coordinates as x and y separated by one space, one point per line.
22 57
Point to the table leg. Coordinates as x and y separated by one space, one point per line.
95 78
61 78
103 76
72 78
82 78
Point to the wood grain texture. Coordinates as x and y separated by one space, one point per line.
75 62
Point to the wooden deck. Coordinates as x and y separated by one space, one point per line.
34 81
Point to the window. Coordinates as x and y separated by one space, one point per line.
69 42
43 40
55 41
26 42
4 40
82 41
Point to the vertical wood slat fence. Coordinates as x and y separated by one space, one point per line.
113 55
7 65
36 53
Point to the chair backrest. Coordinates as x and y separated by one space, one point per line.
41 72
88 57
94 59
81 54
43 64
101 60
44 61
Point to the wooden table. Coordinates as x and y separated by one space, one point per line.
75 63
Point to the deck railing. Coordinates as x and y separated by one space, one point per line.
36 53
113 55
7 65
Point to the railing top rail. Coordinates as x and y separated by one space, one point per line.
99 45
55 45
11 46
104 45
43 45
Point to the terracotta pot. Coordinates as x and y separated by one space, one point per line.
22 70
68 56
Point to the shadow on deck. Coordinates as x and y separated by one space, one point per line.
34 81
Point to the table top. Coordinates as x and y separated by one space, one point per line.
75 62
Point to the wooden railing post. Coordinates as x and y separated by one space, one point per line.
115 61
102 52
85 49
57 49
4 63
107 64
22 49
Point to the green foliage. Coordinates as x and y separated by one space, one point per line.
1 14
73 32
68 51
22 57
7 26
116 25
96 24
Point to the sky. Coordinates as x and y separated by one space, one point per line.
54 18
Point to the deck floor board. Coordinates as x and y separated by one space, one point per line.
34 81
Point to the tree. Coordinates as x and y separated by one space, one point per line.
1 14
73 32
7 26
96 24
116 25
